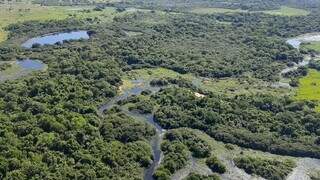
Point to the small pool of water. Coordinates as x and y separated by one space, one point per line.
51 39
31 64
294 43
297 41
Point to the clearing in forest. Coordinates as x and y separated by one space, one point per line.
216 10
288 11
309 87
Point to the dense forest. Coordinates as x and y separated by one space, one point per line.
51 127
249 49
264 122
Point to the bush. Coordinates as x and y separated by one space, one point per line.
215 165
267 168
194 176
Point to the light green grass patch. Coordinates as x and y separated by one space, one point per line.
12 70
216 10
25 12
309 87
151 73
15 71
287 11
312 46
133 33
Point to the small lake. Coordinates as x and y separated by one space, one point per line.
31 64
51 39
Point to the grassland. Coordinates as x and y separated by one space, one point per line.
25 12
312 46
230 86
15 71
309 87
216 10
283 11
287 11
20 12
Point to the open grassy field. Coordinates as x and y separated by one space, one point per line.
312 46
288 11
309 87
216 10
26 12
20 12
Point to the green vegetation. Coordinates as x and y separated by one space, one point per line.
283 11
313 46
244 55
218 77
194 176
21 12
215 165
315 175
176 156
216 10
267 168
11 70
5 66
288 11
309 87
264 122
176 147
229 86
50 126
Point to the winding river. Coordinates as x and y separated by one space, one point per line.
138 87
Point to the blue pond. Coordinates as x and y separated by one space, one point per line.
294 43
51 39
30 64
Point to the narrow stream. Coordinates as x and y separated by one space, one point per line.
296 43
139 86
